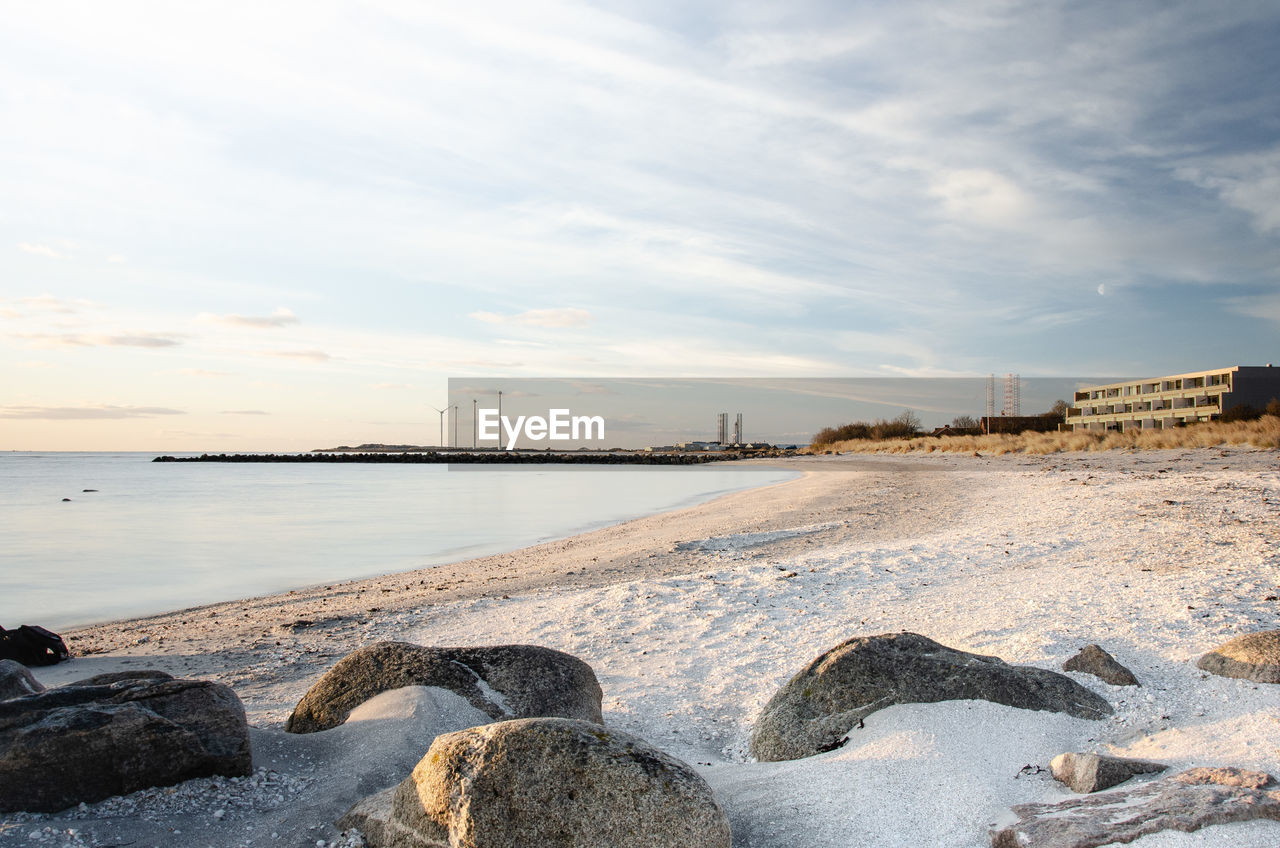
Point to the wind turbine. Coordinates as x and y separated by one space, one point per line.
442 412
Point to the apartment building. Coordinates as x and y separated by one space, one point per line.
1173 400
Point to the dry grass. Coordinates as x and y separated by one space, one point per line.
1262 433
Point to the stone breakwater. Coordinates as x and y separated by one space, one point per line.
490 458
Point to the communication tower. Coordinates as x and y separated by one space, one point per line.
1012 395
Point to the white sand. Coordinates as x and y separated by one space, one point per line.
692 620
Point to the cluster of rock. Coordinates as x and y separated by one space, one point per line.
546 771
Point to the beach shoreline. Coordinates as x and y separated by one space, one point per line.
691 620
638 548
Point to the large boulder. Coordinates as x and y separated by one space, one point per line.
553 783
1095 772
88 741
1253 656
16 680
1187 801
816 708
1092 659
503 681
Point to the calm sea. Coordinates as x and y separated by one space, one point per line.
161 536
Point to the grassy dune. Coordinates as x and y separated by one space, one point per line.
1262 433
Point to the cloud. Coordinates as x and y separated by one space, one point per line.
116 259
280 318
563 317
311 355
1256 306
244 412
393 386
203 372
38 249
49 303
483 391
982 195
83 413
100 340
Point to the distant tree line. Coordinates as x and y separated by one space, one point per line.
904 426
907 425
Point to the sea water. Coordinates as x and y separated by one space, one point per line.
153 537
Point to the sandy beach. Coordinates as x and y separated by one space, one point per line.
692 619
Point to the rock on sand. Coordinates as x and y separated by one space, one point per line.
813 711
1253 656
502 681
553 783
96 738
1092 659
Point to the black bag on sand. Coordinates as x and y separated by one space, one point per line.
32 645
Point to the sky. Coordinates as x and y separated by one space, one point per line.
283 226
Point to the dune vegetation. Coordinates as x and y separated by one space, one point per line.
1263 432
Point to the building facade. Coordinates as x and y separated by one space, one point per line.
1174 400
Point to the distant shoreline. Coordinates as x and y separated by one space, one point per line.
492 458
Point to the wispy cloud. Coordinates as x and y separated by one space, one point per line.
1257 306
555 318
203 372
50 303
84 413
38 249
309 355
144 340
815 188
244 412
280 318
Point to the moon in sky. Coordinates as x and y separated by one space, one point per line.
1102 288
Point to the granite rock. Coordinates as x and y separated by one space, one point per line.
1253 656
814 711
502 681
1095 772
16 680
85 742
549 782
1092 659
1187 802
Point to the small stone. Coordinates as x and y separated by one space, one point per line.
1092 659
1086 773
